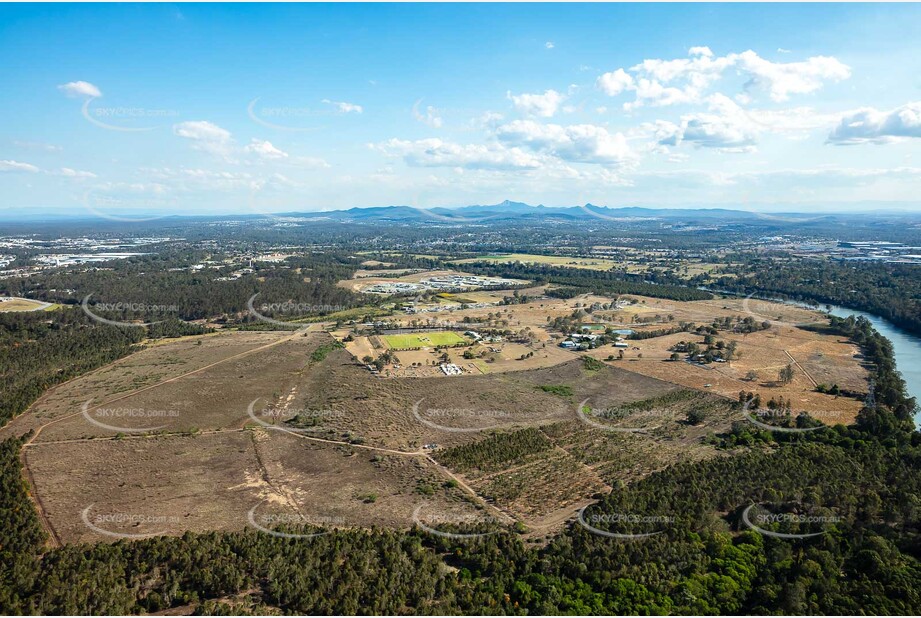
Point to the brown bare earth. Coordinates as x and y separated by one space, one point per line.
816 358
155 365
380 411
212 481
196 433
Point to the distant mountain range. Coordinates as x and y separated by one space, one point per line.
519 211
509 211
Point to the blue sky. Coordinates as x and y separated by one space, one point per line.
265 108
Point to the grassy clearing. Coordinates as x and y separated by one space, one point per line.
355 313
20 304
320 354
414 341
457 298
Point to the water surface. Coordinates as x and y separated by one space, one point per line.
907 348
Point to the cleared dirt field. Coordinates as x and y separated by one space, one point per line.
384 412
362 450
704 311
153 365
364 273
215 397
362 460
815 358
372 263
214 481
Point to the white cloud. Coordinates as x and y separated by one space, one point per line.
795 120
700 51
731 128
201 130
72 173
615 82
651 91
659 82
430 117
66 172
583 143
38 146
206 136
344 106
814 177
314 163
544 105
434 152
781 50
487 120
549 45
17 166
80 89
264 149
726 127
782 79
869 125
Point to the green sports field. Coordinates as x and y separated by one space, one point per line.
423 340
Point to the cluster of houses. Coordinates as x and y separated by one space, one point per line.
450 369
410 307
441 283
481 339
587 339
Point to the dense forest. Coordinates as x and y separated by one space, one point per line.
39 350
608 283
163 286
891 291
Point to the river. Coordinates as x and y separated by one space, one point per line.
907 348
